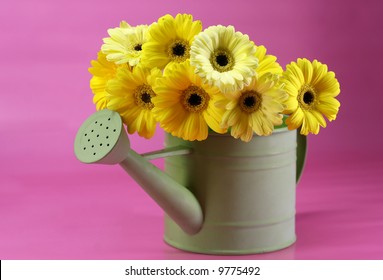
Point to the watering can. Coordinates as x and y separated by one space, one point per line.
220 195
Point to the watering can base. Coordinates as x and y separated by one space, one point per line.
248 251
233 240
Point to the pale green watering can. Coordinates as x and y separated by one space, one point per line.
220 195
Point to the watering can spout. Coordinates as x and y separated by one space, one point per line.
101 139
176 200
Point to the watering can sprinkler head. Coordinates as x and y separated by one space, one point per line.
102 139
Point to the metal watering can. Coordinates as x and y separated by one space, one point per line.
220 195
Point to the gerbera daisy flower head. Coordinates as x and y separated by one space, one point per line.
102 71
185 106
312 90
169 40
125 43
267 63
130 94
256 109
224 58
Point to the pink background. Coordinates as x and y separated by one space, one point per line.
53 207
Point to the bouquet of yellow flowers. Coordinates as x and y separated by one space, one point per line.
192 81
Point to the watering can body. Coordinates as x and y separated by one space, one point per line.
246 191
220 195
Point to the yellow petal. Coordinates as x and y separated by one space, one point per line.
291 105
306 69
328 84
319 70
295 120
319 118
213 123
248 135
294 75
310 124
329 107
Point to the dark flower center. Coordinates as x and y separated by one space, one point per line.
138 47
222 60
250 101
146 98
308 97
178 49
195 99
143 96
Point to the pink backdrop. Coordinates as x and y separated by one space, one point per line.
53 207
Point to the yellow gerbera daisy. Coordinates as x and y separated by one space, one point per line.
169 40
224 58
184 105
130 94
102 71
267 63
125 43
257 108
312 90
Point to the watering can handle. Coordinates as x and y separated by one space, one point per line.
301 153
